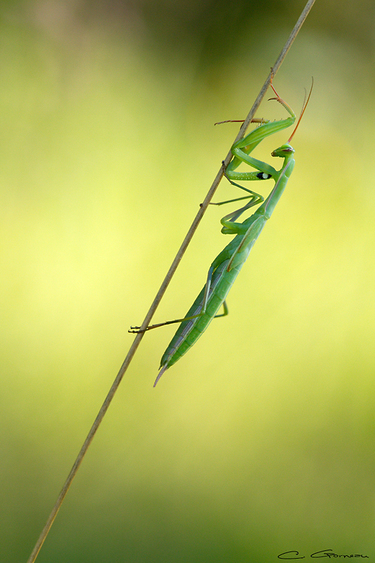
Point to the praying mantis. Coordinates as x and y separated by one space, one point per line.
227 265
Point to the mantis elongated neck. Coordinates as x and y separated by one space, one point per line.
287 152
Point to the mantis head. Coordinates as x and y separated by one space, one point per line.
284 151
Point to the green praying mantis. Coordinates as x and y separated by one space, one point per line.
226 266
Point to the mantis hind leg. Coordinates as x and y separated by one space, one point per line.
206 293
225 311
137 329
202 307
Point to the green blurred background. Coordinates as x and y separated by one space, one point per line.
261 439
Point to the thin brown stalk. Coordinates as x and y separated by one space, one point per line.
163 287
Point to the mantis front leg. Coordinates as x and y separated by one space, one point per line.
241 149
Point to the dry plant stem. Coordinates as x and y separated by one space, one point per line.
163 288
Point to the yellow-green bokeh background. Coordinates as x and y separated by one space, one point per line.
261 440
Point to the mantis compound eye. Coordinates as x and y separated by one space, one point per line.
263 176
